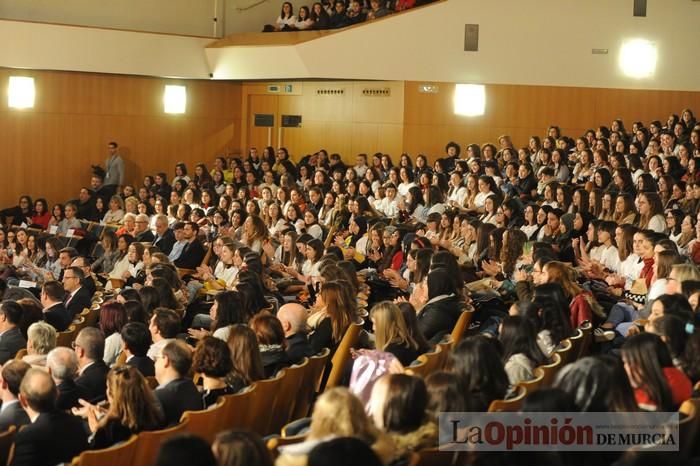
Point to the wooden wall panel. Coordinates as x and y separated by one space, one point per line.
47 151
347 123
521 111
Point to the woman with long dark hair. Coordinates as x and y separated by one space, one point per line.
521 352
658 385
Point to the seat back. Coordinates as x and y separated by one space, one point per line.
310 383
288 393
576 342
428 363
235 408
149 443
536 383
461 327
435 457
20 354
274 443
92 316
7 439
446 347
66 337
511 405
205 423
551 370
121 359
689 427
152 382
263 403
587 330
118 455
79 324
566 352
342 354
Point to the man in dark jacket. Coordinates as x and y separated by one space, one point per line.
193 253
176 392
92 379
53 436
292 316
78 297
11 339
55 313
137 340
12 413
164 237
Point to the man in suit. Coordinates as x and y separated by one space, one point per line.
62 364
292 316
55 312
88 281
78 297
53 436
11 412
176 392
142 232
136 339
92 376
11 338
194 252
164 238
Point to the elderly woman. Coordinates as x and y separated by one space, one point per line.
41 338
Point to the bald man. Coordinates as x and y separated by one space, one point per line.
53 436
293 318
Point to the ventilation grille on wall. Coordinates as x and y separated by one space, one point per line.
376 92
330 91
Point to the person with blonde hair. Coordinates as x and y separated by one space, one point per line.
339 413
680 273
132 409
41 338
391 333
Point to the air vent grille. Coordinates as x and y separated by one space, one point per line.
330 91
376 92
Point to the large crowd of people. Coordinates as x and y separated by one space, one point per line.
241 270
336 14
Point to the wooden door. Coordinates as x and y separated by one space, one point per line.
262 136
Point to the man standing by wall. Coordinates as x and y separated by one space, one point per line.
114 169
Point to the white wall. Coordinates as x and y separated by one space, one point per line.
547 42
52 47
242 16
189 17
193 17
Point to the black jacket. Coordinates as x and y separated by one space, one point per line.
145 237
404 354
93 381
55 437
178 396
58 316
10 342
192 255
81 300
144 364
13 415
166 242
68 395
298 348
273 362
438 318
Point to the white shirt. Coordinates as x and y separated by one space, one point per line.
657 223
389 207
630 268
458 195
480 199
609 257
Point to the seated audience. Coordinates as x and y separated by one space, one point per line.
136 340
292 316
132 408
55 313
164 327
78 297
11 412
176 391
11 338
237 447
41 338
53 436
62 364
245 353
92 375
271 341
212 360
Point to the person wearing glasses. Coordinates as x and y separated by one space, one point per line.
78 297
142 232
